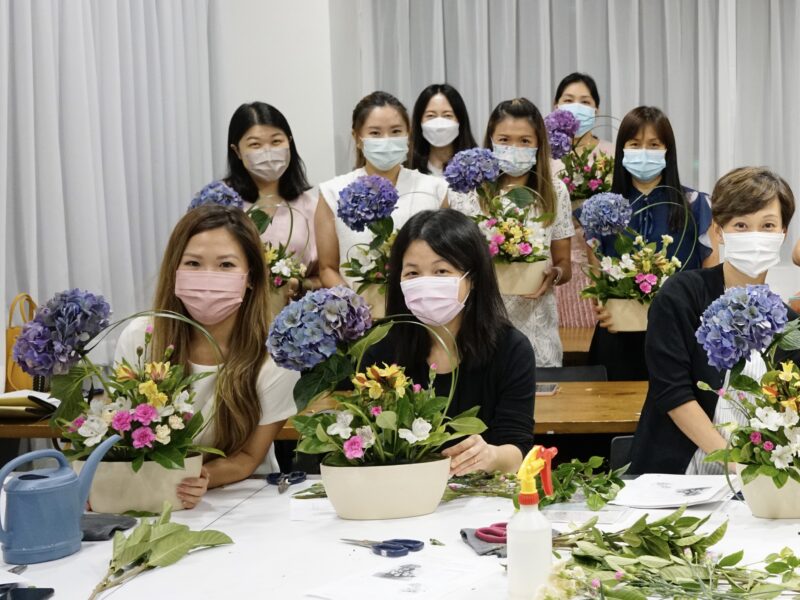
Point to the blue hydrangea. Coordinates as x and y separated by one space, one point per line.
605 214
469 169
217 192
743 319
307 332
561 127
365 201
52 342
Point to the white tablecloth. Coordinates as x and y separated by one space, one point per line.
276 557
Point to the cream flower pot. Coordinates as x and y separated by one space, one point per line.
767 501
377 301
117 489
386 492
520 278
628 315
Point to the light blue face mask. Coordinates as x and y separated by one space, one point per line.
514 160
584 114
644 165
385 153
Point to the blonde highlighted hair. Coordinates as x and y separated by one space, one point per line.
237 406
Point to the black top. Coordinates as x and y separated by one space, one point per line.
504 388
676 362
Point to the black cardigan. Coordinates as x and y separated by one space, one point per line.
676 362
504 388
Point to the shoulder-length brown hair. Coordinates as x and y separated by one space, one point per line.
540 177
237 407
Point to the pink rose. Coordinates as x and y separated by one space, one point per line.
375 411
594 184
768 446
145 414
122 420
142 437
354 447
525 248
417 388
77 423
755 437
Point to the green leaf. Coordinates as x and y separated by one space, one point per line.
165 530
654 562
387 420
745 384
749 473
69 389
776 568
170 550
589 549
624 593
166 514
468 425
260 219
766 590
375 335
322 378
789 340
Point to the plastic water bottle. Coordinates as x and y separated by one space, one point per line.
530 549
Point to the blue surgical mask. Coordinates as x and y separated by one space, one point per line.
385 153
644 165
584 114
514 160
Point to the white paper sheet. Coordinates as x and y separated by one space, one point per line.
659 490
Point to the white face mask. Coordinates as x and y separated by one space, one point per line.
514 160
385 153
752 253
268 163
440 132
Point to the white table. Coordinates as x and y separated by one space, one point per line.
276 557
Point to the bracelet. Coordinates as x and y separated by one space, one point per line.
559 273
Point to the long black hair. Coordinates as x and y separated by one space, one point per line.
292 183
457 239
421 147
629 128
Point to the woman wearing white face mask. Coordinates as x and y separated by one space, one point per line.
646 173
517 136
441 272
213 271
752 208
265 169
380 131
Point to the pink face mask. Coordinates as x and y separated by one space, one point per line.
210 296
433 300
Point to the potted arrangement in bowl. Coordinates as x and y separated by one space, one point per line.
283 266
149 405
742 324
381 443
625 285
514 234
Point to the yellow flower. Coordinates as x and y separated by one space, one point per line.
270 254
149 390
771 392
389 371
157 370
787 372
359 380
124 373
790 403
400 382
375 389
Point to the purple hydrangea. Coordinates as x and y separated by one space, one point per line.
605 214
367 200
217 192
743 319
561 127
468 169
52 342
307 332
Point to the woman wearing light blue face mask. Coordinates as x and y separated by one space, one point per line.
646 173
380 132
516 135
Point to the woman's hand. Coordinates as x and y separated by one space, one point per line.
471 454
551 276
192 489
293 289
604 318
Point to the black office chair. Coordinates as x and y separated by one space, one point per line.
582 373
620 454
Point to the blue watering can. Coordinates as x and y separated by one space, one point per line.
43 507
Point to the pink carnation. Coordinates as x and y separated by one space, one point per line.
595 583
493 249
567 180
375 411
417 388
277 281
491 222
768 446
354 447
586 168
525 248
755 437
77 423
143 436
645 287
122 420
498 239
594 184
149 328
145 414
572 187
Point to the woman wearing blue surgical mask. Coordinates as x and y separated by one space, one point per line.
441 272
380 132
516 135
646 173
681 423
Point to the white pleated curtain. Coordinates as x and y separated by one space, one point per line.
726 72
104 135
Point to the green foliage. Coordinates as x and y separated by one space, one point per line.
321 379
154 543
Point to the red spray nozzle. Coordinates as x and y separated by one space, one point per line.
547 454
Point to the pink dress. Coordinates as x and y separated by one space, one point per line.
572 310
297 217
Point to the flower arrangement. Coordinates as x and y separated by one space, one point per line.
369 266
766 437
586 172
641 269
149 406
282 265
513 241
561 128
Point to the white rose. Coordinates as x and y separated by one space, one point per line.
175 422
162 434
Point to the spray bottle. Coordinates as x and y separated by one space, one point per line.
530 542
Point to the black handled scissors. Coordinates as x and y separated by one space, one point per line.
284 480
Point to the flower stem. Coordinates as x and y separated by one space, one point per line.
109 581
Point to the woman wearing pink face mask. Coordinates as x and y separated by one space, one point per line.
213 272
440 271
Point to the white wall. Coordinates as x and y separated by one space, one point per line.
275 51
